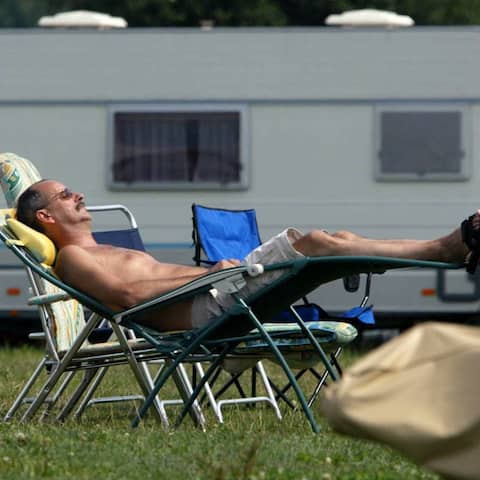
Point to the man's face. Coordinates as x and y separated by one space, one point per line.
62 204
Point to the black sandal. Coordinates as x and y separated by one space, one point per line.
471 238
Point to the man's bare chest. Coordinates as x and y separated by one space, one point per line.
121 260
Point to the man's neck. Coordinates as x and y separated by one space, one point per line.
79 236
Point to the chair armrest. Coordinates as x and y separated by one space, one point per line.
199 285
36 336
48 298
116 207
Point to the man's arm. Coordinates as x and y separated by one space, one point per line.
81 270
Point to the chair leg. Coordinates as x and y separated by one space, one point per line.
158 405
282 362
48 398
167 372
89 393
253 399
142 374
325 360
88 376
185 389
87 401
334 357
24 392
323 379
318 387
200 385
268 388
208 392
53 399
58 371
281 392
253 381
233 380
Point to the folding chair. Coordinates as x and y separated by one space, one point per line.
228 234
63 320
221 234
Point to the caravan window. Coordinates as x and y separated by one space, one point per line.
429 143
178 148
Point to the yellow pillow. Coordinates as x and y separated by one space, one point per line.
7 213
39 245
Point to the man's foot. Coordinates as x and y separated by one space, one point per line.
471 238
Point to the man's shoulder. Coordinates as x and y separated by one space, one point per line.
70 257
70 250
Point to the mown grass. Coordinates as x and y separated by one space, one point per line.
251 444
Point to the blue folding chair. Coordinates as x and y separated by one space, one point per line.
222 234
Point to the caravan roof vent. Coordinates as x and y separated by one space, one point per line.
369 18
82 19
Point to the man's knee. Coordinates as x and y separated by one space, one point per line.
318 236
345 235
317 242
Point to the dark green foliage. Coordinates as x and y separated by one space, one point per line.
183 13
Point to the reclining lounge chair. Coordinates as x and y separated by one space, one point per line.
220 337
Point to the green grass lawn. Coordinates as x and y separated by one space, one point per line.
251 444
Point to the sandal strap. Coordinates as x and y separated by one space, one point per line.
471 238
472 261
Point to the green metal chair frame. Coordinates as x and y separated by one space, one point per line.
223 334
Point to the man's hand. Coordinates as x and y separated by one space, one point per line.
223 264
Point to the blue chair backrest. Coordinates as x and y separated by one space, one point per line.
223 233
127 238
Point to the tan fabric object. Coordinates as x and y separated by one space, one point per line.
419 393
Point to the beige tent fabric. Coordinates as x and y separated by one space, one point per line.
419 393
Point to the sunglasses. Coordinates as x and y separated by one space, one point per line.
64 194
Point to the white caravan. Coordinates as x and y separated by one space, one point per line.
372 130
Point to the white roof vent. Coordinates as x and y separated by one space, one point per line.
82 19
369 18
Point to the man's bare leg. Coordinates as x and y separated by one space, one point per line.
449 248
317 243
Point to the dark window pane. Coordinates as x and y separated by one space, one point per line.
421 143
170 147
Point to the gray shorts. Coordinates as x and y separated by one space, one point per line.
278 249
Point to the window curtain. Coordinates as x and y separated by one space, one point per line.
176 147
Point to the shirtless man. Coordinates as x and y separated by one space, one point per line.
122 278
